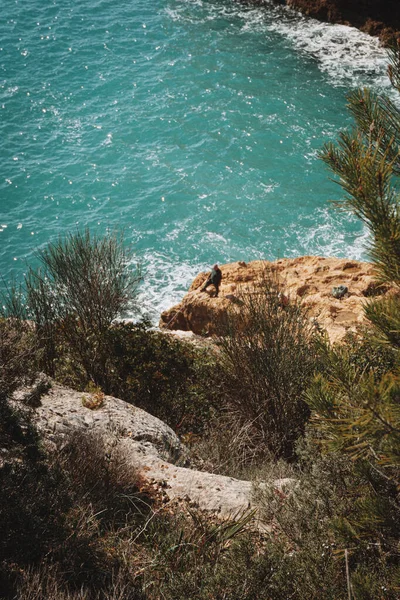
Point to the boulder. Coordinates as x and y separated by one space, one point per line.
63 410
150 446
308 279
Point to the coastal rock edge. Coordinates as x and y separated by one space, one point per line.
308 279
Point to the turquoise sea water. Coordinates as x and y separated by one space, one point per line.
193 125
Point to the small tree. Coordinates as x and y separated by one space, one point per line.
82 285
367 161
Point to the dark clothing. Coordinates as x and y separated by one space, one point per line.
215 276
213 279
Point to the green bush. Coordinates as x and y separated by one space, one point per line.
268 358
84 283
161 374
169 378
314 523
367 354
355 413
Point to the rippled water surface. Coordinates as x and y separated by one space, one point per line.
193 125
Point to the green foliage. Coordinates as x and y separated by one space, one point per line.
161 374
356 410
366 353
367 163
268 355
354 401
324 514
169 378
191 554
82 285
384 314
17 368
74 298
18 353
98 537
359 411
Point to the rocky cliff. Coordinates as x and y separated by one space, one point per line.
376 17
308 279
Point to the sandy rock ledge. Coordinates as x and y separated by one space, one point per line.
308 279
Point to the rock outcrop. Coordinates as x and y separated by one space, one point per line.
308 279
149 445
372 16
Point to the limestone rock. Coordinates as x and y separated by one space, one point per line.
150 446
62 410
308 279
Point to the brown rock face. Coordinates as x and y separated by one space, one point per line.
376 17
308 279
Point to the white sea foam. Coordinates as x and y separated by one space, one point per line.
168 274
329 236
347 55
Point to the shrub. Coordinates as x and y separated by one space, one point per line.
268 355
161 374
18 355
355 412
82 285
226 446
314 524
355 401
47 583
366 354
62 510
194 557
155 371
97 472
18 438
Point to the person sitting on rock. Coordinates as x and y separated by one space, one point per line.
214 279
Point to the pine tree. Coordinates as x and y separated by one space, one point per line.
356 409
367 162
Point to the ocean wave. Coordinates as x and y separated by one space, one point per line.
166 279
329 235
348 56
